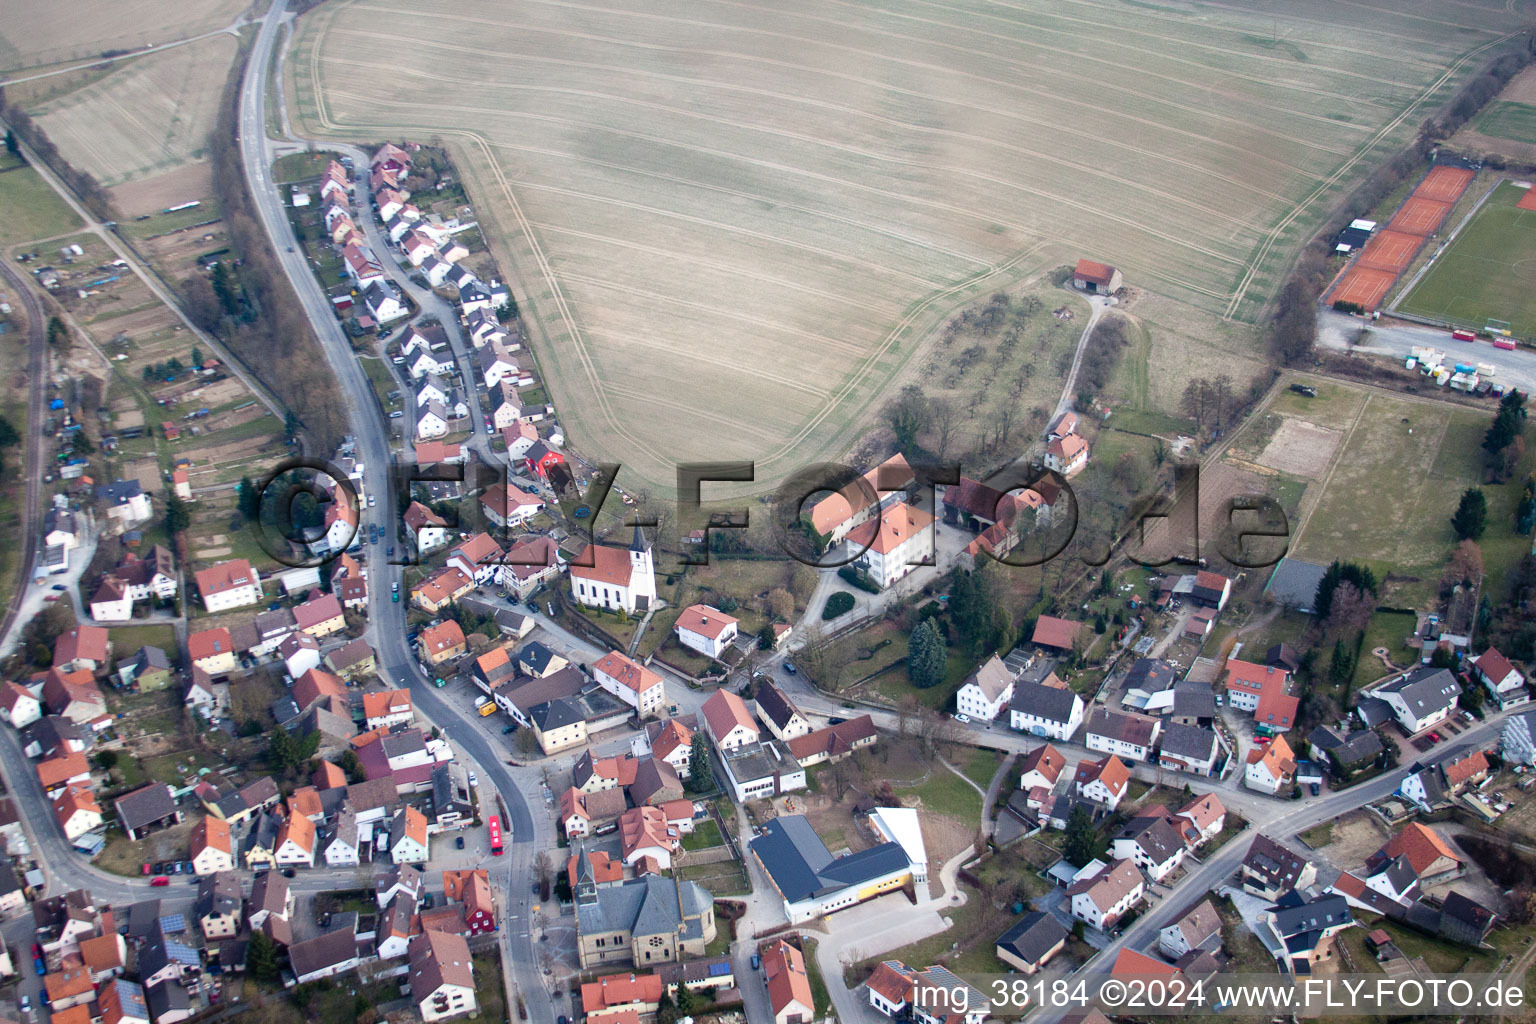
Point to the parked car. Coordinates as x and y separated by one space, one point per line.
459 843
1316 789
789 667
288 872
146 868
60 587
509 729
474 780
963 719
157 880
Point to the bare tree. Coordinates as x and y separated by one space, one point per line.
1350 611
942 411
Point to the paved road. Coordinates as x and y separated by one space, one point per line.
387 626
1338 331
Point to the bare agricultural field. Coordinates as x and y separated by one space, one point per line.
37 32
1300 448
150 116
735 224
148 196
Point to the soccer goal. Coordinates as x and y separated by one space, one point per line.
1497 327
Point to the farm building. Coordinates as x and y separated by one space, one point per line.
1096 278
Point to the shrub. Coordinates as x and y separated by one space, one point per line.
839 603
848 574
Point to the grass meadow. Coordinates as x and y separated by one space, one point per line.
1506 120
734 225
1487 270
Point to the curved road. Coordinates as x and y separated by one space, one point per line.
387 626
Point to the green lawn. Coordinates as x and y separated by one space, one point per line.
299 166
127 639
818 983
1478 277
1387 629
29 209
1509 121
705 835
1319 835
944 792
980 765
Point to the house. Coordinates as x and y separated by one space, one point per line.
1102 898
1127 736
779 713
1463 921
441 976
1198 928
615 578
890 988
1033 940
295 845
110 602
540 458
1042 710
146 809
728 722
495 365
105 956
61 529
478 557
1201 819
647 920
1503 681
858 501
891 545
508 506
330 954
630 682
1189 748
1270 767
57 773
644 835
706 630
764 769
119 1002
1103 782
146 670
127 504
219 907
340 841
1347 752
1305 928
432 421
383 300
77 811
18 706
581 813
227 585
1067 455
428 530
1096 278
425 366
833 743
1055 634
811 882
206 697
670 741
519 437
1261 689
1151 843
1041 768
789 987
1419 700
1465 770
210 847
387 708
1428 855
73 695
441 643
83 648
472 888
1269 869
986 691
408 837
320 615
617 998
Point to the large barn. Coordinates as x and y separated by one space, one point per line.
1096 278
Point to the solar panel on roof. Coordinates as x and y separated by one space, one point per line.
173 924
715 970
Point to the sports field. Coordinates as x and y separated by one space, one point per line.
1507 120
38 32
1487 271
737 222
149 116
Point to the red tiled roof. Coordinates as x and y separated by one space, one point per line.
210 642
610 565
629 673
1053 632
724 711
1422 846
704 620
1090 270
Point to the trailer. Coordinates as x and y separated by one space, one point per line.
1461 334
1487 370
1503 343
1465 368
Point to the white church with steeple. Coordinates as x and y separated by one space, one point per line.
617 577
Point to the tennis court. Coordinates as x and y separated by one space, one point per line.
1419 216
1527 201
1390 250
1364 287
1444 184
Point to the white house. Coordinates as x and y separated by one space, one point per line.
1041 710
429 531
508 506
496 365
728 722
1102 898
384 302
18 706
442 976
1497 674
1104 782
111 602
892 544
1066 455
988 690
706 630
631 682
433 389
1198 928
1270 767
228 585
1421 699
339 841
1125 735
127 504
408 837
431 422
1152 845
423 364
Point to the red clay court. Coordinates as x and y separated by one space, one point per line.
1364 286
1444 184
1390 250
1419 216
1527 201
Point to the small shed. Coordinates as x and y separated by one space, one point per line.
1096 278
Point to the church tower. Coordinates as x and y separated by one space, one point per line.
642 571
